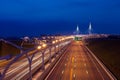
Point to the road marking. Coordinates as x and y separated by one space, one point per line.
74 75
65 64
86 71
72 59
62 71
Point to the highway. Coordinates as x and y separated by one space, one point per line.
20 69
78 64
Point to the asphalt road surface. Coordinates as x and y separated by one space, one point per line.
77 64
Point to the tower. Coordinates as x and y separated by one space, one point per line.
77 30
90 28
77 36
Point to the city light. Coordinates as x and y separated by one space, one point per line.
53 42
39 47
56 40
44 45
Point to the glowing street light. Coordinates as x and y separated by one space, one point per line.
56 40
53 42
62 39
44 45
39 47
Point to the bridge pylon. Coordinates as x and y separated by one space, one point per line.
90 29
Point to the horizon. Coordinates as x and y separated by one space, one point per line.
32 18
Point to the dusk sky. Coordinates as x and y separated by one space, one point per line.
35 17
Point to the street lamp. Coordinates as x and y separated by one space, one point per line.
53 42
43 52
62 39
56 41
39 47
44 45
25 39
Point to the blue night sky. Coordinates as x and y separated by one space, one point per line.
35 17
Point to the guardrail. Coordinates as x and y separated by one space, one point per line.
25 53
112 77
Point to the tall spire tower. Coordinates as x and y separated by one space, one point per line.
77 36
77 30
90 28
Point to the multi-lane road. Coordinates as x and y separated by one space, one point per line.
77 63
20 69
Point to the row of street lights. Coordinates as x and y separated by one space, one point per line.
54 42
41 46
49 44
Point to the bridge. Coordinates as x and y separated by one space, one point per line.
56 58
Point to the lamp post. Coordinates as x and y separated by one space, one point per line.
50 48
59 43
21 51
54 44
25 39
42 47
39 47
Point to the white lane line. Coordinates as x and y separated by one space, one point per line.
74 75
86 71
65 64
62 71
